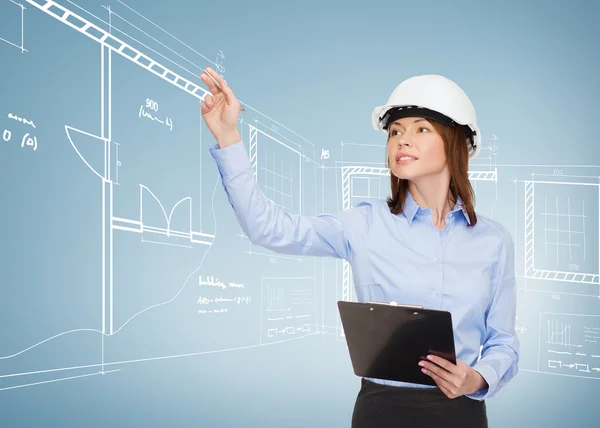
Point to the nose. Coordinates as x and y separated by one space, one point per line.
404 140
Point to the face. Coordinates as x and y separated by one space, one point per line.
415 149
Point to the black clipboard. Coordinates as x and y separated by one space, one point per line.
387 341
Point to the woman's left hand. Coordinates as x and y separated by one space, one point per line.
453 379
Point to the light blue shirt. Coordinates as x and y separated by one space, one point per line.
468 271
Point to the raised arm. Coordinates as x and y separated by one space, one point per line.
265 223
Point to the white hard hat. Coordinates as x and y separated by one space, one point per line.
434 97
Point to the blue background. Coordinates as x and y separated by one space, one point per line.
309 74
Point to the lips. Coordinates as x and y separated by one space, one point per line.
405 157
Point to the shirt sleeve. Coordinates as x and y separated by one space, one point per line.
500 353
269 226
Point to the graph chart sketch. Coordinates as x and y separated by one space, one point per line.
288 308
569 344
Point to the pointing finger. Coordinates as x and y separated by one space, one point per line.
209 83
215 75
231 100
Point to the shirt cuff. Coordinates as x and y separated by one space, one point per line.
231 160
490 377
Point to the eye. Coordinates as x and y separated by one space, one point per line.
395 132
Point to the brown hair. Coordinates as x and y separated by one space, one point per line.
457 156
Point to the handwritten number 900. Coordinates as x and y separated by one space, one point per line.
151 104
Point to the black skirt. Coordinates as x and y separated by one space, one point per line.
383 406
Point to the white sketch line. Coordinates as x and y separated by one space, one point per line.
276 174
113 13
553 275
167 218
565 175
558 333
253 154
533 290
46 340
277 141
547 166
279 192
118 221
381 146
104 141
343 164
583 224
135 315
163 231
563 182
560 352
166 243
353 187
22 28
12 44
137 57
58 380
105 176
107 189
297 294
190 275
556 275
143 60
22 46
122 48
275 130
165 31
559 374
116 363
110 251
275 256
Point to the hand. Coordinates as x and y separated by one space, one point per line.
453 379
220 110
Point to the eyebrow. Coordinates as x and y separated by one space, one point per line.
414 121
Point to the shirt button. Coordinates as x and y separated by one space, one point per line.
435 259
436 292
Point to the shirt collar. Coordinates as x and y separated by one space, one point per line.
411 209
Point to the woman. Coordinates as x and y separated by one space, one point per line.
425 245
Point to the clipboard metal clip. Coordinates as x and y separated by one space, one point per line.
396 304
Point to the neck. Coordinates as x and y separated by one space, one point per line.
433 193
